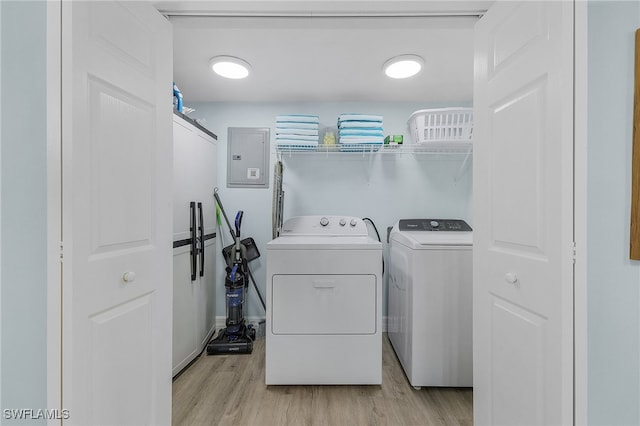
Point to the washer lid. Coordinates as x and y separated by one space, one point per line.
425 239
433 225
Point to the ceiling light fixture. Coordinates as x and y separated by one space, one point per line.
403 66
230 67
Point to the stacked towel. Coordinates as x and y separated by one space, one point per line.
358 132
297 132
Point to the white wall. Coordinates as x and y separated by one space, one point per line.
23 199
384 188
613 279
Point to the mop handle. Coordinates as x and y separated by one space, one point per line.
215 194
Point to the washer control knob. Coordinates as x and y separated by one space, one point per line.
324 221
343 222
434 224
353 222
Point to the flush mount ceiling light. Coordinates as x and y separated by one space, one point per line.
403 66
230 67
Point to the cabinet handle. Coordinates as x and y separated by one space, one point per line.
194 249
201 229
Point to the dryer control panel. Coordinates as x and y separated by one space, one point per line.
324 226
451 225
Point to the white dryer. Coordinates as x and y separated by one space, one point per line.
430 301
324 303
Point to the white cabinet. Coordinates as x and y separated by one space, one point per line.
194 232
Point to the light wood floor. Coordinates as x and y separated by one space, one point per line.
230 390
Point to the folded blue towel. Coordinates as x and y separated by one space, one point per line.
295 142
297 137
360 124
363 131
359 117
296 125
288 131
298 118
361 139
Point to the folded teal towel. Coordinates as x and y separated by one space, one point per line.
288 131
298 118
363 131
360 124
296 125
297 137
359 117
362 139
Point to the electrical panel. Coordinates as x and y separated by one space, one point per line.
248 157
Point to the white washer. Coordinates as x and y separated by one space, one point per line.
430 301
324 303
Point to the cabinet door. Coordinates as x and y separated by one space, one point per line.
184 174
204 157
204 161
185 338
206 319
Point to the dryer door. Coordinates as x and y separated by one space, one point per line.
324 304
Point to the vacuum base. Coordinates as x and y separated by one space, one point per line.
230 344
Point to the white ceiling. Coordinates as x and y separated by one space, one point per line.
322 50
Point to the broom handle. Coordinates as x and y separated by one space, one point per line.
215 194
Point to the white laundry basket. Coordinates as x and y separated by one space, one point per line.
441 125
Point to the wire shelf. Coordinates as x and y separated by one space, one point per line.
421 148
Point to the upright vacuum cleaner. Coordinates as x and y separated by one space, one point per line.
237 337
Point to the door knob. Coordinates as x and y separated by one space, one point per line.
511 278
129 277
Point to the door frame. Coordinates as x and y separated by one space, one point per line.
580 135
54 206
54 209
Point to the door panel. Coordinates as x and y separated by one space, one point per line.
523 214
512 37
522 358
114 369
524 159
121 171
116 180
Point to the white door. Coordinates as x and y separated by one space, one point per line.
117 213
523 214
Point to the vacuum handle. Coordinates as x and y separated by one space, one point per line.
238 222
